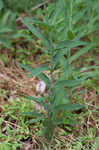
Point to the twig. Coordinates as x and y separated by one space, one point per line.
90 105
34 8
4 76
12 124
8 79
40 5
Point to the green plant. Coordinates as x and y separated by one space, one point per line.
8 27
58 39
9 12
14 6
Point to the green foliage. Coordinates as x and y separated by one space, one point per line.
15 6
9 11
8 28
35 71
60 33
65 27
16 125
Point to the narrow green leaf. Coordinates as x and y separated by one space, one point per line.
43 77
35 98
34 114
67 83
80 52
69 44
36 21
57 10
37 33
68 107
36 120
34 71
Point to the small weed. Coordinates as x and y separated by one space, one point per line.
64 39
58 46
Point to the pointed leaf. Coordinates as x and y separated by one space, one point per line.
34 71
36 120
68 107
39 100
67 83
36 21
68 44
80 52
37 33
36 99
34 114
